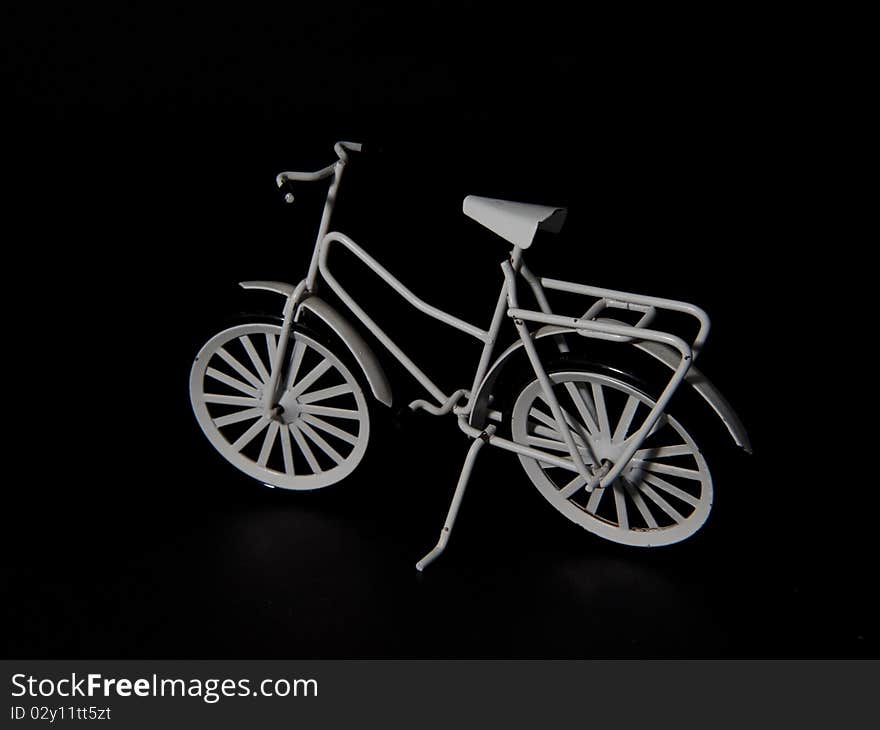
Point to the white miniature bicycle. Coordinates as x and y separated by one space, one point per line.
284 408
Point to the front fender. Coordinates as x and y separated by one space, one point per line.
354 341
661 352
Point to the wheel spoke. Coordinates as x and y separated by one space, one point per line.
659 452
325 393
232 382
546 444
636 497
250 434
271 347
286 452
578 433
581 399
328 428
595 498
255 358
320 442
662 503
305 448
601 409
661 422
329 411
578 430
539 415
239 368
620 505
573 486
268 443
674 471
670 489
238 417
606 415
553 434
230 400
299 349
316 372
629 410
576 426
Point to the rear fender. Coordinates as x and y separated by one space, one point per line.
661 352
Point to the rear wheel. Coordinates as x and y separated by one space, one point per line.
664 494
315 437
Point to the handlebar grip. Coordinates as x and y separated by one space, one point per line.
351 146
340 149
376 149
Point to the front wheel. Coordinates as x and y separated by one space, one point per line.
662 497
318 433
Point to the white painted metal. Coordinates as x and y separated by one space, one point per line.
702 385
356 344
565 433
623 333
663 495
394 283
229 391
281 421
514 222
463 479
451 402
504 444
695 378
625 300
279 287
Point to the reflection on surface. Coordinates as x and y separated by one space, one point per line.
210 565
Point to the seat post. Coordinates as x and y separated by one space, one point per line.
498 318
516 258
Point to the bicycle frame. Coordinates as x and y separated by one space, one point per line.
666 346
506 307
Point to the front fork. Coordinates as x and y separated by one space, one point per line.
270 405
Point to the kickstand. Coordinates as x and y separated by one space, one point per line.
456 498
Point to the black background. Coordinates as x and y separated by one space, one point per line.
141 153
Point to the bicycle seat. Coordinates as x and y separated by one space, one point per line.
514 222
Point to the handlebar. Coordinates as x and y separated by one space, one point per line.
341 148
